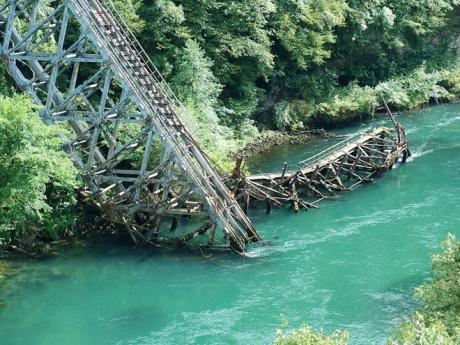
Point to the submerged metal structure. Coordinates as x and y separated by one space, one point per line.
81 63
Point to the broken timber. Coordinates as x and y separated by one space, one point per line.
340 168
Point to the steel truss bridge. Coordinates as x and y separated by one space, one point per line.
85 69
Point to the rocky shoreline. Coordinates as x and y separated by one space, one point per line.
266 140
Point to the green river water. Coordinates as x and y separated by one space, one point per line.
350 265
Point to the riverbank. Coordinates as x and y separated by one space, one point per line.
89 222
354 104
266 140
410 92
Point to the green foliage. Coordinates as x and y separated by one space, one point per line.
441 297
2 271
128 9
283 117
420 331
4 89
349 105
233 35
199 89
438 321
37 179
305 29
266 54
306 336
451 82
407 92
194 79
384 38
414 90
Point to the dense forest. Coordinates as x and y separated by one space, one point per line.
243 66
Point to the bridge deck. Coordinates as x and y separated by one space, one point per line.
340 168
349 147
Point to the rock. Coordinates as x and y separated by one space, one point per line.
266 140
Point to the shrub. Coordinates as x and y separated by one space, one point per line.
357 103
451 82
37 178
421 331
441 297
414 90
351 104
283 116
438 321
306 336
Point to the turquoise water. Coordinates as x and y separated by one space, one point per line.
350 265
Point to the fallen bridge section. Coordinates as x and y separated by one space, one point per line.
127 132
340 168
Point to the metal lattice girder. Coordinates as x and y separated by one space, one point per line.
82 65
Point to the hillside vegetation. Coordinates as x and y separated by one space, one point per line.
287 65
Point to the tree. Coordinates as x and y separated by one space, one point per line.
421 331
37 179
128 9
441 297
384 38
199 89
234 35
438 321
305 29
194 79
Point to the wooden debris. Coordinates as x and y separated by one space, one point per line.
340 169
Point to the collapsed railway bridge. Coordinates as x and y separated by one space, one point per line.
85 69
340 168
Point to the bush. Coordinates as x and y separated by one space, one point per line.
306 336
356 103
441 297
352 104
438 321
38 180
451 82
421 331
414 90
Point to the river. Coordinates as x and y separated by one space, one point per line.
350 265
